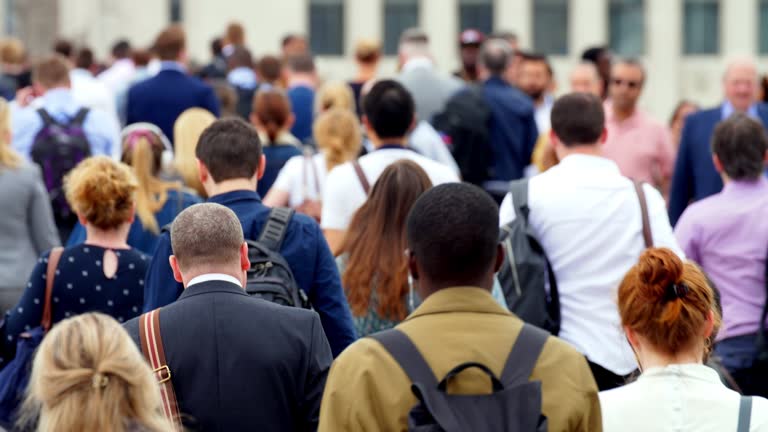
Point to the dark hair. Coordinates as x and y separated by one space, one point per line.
273 109
229 149
389 108
63 47
216 46
578 119
495 55
289 38
170 43
270 68
141 57
301 63
538 58
240 57
453 231
678 108
740 143
593 54
375 241
632 62
84 58
121 49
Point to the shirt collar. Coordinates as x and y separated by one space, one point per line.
172 65
745 186
238 195
60 96
81 73
727 110
214 277
418 63
690 370
459 299
242 77
588 162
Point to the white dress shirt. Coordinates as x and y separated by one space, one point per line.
92 93
685 398
587 217
119 76
213 277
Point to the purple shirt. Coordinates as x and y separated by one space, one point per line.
727 235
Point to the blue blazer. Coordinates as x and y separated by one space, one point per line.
695 176
161 99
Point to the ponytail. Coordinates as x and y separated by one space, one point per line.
337 134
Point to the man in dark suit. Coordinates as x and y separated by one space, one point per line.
695 176
161 99
236 362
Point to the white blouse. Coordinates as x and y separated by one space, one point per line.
685 398
302 180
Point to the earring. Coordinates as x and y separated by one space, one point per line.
410 293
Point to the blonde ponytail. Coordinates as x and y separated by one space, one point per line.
8 157
338 136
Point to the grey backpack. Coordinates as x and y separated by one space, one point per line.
513 406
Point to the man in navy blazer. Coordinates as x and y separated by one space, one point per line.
695 176
236 363
161 99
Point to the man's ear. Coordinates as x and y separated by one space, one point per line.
245 263
717 163
603 136
176 269
499 258
262 167
290 121
204 174
413 267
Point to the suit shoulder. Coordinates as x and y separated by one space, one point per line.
708 116
132 327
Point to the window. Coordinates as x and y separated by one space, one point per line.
550 26
627 27
326 27
701 27
10 18
176 11
762 26
476 14
399 15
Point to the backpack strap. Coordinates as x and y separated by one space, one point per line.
400 346
523 356
519 191
48 121
154 352
50 275
274 230
745 414
361 176
79 118
640 191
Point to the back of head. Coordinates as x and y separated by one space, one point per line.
186 134
227 96
301 64
141 57
389 109
338 136
453 233
8 156
578 119
51 72
64 48
205 237
102 191
170 43
375 240
12 51
88 375
217 45
235 34
367 51
666 301
740 143
593 54
84 59
272 108
121 49
270 69
230 149
334 94
240 57
495 56
413 42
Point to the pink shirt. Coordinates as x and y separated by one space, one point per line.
640 146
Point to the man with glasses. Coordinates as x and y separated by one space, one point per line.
640 145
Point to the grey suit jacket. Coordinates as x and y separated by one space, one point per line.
430 89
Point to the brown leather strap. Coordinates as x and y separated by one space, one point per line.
50 276
647 236
154 352
361 177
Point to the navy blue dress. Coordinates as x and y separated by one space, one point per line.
80 286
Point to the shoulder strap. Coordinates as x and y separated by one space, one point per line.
519 191
523 356
274 230
79 118
47 119
154 352
644 209
50 275
745 414
361 176
407 356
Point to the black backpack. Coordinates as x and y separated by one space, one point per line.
465 122
58 148
514 405
270 278
525 271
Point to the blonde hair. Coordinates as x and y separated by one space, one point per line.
8 156
337 134
367 50
102 191
88 375
12 51
186 132
143 151
334 94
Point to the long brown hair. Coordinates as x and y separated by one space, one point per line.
376 241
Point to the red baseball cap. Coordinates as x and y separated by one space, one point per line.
471 37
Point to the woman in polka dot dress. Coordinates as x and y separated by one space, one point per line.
103 274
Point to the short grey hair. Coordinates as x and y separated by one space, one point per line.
634 62
413 42
206 235
495 55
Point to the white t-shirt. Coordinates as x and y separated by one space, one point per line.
301 180
344 193
587 217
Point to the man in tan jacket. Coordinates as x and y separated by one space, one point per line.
454 253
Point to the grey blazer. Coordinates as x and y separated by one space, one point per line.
27 228
430 89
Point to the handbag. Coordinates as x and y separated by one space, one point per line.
15 376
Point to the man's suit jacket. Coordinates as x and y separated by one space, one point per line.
239 363
695 176
161 99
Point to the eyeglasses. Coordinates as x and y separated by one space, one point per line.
631 84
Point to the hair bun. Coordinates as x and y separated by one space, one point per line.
658 269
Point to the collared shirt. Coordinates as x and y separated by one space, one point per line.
243 77
727 235
172 65
587 217
304 249
727 110
344 194
102 132
119 76
543 113
92 93
640 146
680 397
453 326
213 277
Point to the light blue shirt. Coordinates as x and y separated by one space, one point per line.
728 110
101 130
243 77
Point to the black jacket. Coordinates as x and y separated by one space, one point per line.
239 363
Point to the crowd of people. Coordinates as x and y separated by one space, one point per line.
249 246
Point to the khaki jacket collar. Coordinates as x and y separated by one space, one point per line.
459 299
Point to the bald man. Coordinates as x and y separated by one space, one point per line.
695 176
586 79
